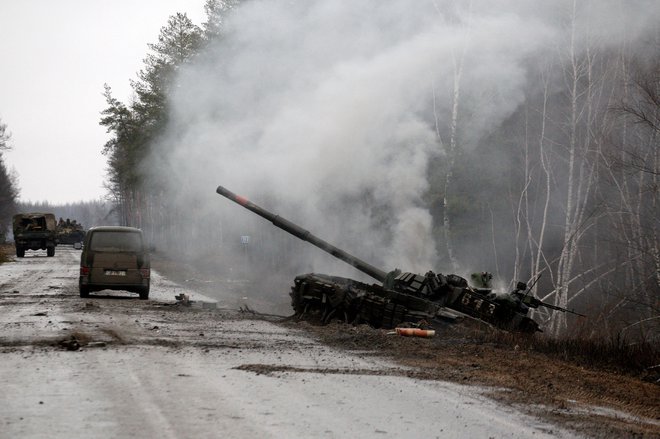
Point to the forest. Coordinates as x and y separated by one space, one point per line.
8 185
519 138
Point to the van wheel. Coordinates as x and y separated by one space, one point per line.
50 251
84 291
20 252
144 294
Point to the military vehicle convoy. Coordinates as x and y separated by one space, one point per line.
401 296
35 231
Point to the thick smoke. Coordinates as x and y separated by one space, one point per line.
330 112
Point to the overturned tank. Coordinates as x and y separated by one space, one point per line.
401 296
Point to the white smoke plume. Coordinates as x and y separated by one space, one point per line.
337 108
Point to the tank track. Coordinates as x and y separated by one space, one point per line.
323 297
430 297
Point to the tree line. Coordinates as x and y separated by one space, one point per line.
578 207
87 213
135 127
8 185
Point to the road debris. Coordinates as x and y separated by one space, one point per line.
413 332
70 344
183 299
244 309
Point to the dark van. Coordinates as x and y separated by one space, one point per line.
114 258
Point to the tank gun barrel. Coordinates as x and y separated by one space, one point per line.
305 235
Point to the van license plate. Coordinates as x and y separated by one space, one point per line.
115 272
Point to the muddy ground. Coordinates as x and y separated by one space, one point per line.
598 402
112 365
201 346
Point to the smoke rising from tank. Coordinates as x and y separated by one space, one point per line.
333 112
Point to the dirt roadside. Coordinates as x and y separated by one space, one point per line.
594 402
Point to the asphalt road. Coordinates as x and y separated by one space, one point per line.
155 369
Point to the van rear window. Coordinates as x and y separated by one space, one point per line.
116 241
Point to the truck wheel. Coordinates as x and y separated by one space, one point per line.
20 252
84 291
144 294
50 251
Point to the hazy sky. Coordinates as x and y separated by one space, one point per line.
56 56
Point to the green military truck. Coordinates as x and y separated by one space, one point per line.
35 231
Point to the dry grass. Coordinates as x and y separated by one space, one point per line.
610 353
6 252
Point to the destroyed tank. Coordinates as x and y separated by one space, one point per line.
401 297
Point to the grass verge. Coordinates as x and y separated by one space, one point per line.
639 358
6 252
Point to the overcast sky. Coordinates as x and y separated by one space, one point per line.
56 56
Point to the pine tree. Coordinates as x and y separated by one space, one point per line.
8 185
135 128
